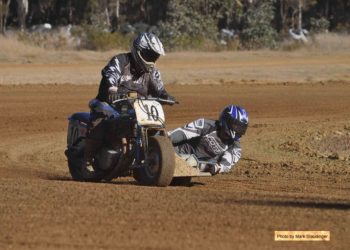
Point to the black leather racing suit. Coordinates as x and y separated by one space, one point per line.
122 72
201 139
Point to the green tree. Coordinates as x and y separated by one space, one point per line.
257 29
185 26
319 25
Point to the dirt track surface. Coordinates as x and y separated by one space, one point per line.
188 67
294 174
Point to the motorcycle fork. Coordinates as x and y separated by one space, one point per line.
139 137
146 132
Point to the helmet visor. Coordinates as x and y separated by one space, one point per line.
237 126
149 55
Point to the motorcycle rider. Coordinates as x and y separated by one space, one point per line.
126 72
214 141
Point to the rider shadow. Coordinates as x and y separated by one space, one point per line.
58 178
117 181
296 203
192 184
69 179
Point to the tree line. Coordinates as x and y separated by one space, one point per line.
183 21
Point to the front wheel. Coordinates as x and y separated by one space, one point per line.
160 165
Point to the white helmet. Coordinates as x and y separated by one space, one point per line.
146 49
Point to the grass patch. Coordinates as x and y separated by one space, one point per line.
331 42
326 42
93 38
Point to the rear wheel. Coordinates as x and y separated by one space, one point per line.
79 170
160 165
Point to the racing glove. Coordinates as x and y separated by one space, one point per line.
113 90
171 98
214 169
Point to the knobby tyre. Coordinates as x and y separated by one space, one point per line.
159 170
78 169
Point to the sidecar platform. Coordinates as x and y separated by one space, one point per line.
187 168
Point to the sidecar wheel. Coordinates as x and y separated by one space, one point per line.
77 169
161 163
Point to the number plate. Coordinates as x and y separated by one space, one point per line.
149 113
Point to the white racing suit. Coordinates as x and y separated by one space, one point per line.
201 139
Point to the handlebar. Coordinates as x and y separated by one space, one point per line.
161 100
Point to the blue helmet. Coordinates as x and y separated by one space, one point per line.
234 121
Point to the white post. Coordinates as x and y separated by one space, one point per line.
300 26
117 9
106 11
22 11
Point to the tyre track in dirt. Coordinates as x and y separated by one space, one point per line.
41 153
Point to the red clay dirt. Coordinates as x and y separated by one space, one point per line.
294 174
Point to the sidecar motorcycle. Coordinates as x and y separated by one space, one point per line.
136 145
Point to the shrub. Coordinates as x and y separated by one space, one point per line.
319 25
94 38
257 30
48 39
186 28
332 42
